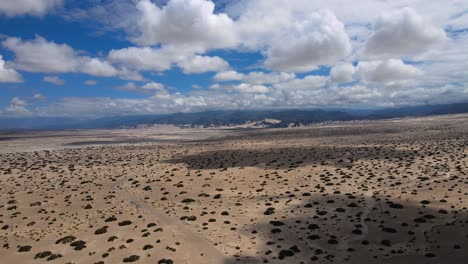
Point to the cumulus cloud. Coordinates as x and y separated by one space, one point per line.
164 58
54 80
201 64
175 102
249 88
97 67
28 7
145 58
103 106
285 37
39 96
295 36
241 88
402 33
310 82
184 22
387 71
8 75
342 73
292 42
128 74
154 86
447 64
148 88
255 77
130 86
40 55
354 95
458 22
222 98
228 76
16 108
313 40
268 78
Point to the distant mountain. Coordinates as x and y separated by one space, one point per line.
218 118
232 118
265 123
53 123
425 110
284 118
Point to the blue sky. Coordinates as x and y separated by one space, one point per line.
103 58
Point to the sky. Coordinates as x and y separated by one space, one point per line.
95 58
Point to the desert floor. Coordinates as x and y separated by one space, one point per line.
391 191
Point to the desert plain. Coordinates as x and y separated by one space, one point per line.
392 191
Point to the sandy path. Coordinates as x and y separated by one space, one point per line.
198 243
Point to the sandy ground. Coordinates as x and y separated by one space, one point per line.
21 141
366 192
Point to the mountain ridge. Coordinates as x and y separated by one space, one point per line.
227 118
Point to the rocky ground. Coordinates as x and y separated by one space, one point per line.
371 192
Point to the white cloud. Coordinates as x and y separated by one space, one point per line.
289 36
295 36
437 95
255 77
39 96
31 7
201 64
40 55
447 64
223 98
402 33
386 71
132 75
90 82
98 67
16 108
184 22
8 75
277 27
148 88
310 82
54 80
228 76
144 58
18 101
295 42
268 78
250 88
164 58
458 22
153 86
130 86
342 73
216 86
356 16
312 40
354 95
245 88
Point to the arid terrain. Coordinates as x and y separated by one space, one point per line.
392 191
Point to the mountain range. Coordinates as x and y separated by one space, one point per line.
227 118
